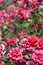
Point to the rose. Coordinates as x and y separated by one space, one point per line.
15 54
37 56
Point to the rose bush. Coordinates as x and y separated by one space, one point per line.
21 32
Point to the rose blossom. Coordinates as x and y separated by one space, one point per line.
12 26
29 43
12 41
12 10
35 41
34 4
32 42
37 56
24 13
40 43
15 54
21 33
25 45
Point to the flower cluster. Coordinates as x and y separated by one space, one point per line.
34 4
4 17
35 44
30 43
20 12
21 32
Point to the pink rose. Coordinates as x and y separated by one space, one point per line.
12 41
37 56
21 33
15 54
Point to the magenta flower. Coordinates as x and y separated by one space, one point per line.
15 54
24 13
22 3
37 56
32 43
21 33
12 10
34 4
12 41
12 26
25 45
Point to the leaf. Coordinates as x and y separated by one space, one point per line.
4 58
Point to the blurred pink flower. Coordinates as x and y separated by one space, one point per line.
15 1
23 3
34 4
12 10
24 13
15 54
1 2
21 33
12 41
2 62
12 26
37 56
